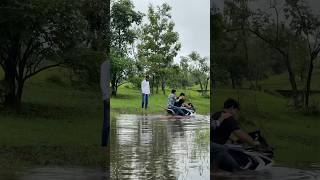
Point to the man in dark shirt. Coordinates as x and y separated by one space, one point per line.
221 134
180 100
222 126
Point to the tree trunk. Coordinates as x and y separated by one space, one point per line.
206 86
307 93
11 99
157 87
152 84
114 85
233 82
163 85
293 83
201 87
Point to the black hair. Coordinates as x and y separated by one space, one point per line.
182 94
231 103
173 91
147 77
190 104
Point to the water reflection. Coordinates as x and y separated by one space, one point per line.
156 147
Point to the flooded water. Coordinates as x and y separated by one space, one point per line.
159 147
274 173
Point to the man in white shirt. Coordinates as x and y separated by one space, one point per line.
104 85
145 90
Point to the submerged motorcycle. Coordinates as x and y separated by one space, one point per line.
250 158
187 112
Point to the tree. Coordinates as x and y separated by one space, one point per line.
278 36
307 25
199 68
84 62
34 35
158 44
121 67
123 17
227 51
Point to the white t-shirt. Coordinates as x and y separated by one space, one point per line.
104 85
145 88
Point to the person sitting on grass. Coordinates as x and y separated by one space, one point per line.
171 103
223 124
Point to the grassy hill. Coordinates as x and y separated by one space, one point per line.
282 82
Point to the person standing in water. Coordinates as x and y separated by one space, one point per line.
145 90
104 85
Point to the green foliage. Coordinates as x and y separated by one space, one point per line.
159 44
121 66
84 66
123 18
97 14
198 67
34 36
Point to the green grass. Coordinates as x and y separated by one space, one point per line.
282 81
128 100
293 134
58 125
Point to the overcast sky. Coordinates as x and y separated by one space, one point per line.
265 4
192 20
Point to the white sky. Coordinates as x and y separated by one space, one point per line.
263 4
192 22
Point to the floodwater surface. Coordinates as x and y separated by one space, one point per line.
273 173
160 147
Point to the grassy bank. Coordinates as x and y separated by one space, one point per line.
293 134
58 125
128 100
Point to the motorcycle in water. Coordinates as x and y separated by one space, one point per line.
251 158
186 111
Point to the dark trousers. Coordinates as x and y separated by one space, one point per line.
178 110
106 123
145 99
221 158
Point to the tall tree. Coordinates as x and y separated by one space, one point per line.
33 37
307 25
199 68
123 18
158 44
276 33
